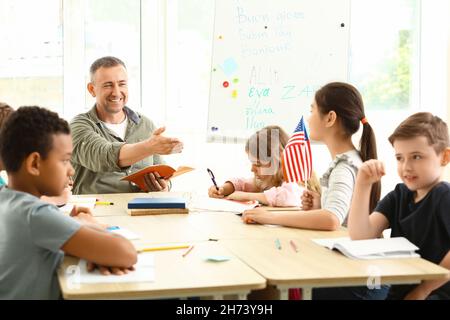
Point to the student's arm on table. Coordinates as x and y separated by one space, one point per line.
320 219
248 196
423 290
362 224
108 251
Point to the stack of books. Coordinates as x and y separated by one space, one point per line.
151 206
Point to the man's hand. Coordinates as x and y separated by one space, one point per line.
155 182
163 145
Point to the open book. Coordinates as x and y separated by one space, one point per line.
164 171
397 247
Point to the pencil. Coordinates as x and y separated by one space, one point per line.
163 248
294 246
188 250
105 203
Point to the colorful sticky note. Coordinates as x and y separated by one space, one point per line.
229 66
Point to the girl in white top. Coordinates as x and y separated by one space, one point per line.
336 114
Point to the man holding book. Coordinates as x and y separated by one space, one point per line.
112 141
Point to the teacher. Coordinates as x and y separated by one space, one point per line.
112 141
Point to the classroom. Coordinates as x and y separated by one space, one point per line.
225 149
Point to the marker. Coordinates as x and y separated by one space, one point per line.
113 228
278 244
188 250
163 248
293 245
211 174
104 203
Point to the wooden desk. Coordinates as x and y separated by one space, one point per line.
315 266
176 276
165 228
253 245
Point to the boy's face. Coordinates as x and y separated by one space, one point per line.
56 169
418 164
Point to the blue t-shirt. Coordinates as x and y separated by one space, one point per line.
425 223
2 182
31 235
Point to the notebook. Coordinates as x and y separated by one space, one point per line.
144 272
157 203
397 247
87 202
214 204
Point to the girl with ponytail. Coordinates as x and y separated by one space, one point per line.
337 113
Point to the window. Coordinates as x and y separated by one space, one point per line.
31 59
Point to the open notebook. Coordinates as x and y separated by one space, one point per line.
213 204
397 247
87 202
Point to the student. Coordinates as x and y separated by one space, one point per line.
34 234
5 112
336 114
264 149
416 209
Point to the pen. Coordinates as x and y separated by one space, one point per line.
105 203
163 248
294 246
188 250
278 244
211 174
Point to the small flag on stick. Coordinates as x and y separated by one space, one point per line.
297 160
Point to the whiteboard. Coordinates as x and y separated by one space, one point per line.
268 59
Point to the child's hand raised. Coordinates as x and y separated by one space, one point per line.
370 172
310 200
214 193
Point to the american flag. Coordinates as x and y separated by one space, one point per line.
297 160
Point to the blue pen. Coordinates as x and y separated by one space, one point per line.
211 174
113 228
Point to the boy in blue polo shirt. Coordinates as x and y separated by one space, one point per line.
35 147
418 208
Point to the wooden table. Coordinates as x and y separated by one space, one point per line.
252 248
175 276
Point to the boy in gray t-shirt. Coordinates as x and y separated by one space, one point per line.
34 235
